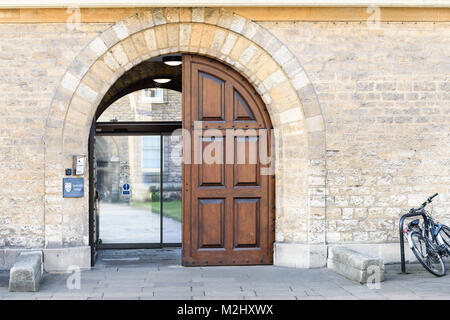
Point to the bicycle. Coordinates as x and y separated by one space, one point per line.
429 241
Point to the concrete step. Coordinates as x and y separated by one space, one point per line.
355 266
26 274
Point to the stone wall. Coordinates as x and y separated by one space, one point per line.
133 107
384 95
33 59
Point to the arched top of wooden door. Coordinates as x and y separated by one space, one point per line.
224 98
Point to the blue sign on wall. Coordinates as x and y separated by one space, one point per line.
126 189
73 187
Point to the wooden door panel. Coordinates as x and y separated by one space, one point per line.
246 167
211 224
242 111
212 168
211 95
246 223
227 202
246 108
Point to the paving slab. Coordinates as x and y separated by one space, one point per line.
167 291
225 293
311 298
168 281
345 297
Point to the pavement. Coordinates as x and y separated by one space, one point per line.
121 223
157 275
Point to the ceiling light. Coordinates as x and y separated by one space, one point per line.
172 61
162 80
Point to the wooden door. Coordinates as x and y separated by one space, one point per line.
228 198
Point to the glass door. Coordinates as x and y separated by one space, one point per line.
131 172
171 186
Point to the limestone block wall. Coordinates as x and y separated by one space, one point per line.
170 110
33 58
385 97
133 107
383 94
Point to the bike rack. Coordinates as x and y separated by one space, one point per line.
402 239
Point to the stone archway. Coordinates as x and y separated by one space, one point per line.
262 59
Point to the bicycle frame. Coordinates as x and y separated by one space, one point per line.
428 225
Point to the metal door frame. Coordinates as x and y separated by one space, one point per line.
92 197
163 128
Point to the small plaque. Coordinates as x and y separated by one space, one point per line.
79 165
73 187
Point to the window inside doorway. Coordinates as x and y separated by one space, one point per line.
153 104
155 95
151 160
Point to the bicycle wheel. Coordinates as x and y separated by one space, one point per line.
444 235
427 254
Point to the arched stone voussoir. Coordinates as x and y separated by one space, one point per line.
216 17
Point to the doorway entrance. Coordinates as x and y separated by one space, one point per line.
219 203
138 182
